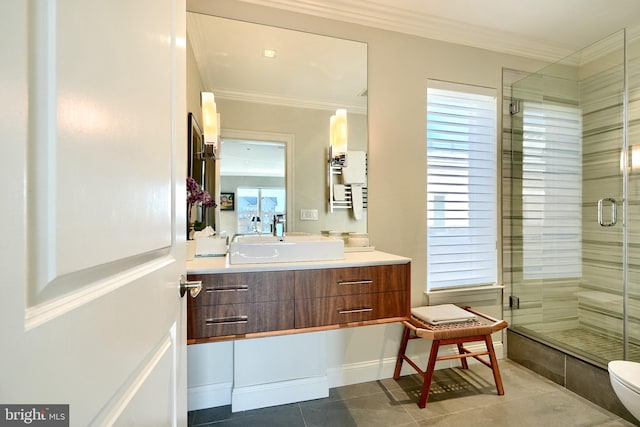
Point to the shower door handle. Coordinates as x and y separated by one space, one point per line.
614 209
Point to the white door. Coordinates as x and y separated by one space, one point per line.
93 129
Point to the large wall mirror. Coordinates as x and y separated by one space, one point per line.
275 91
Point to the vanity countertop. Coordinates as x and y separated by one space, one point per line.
211 265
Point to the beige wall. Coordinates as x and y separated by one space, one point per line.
398 68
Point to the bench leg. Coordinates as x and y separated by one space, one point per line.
494 365
465 365
428 374
403 348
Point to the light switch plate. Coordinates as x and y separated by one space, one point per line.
308 214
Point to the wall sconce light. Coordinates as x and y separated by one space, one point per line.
210 124
635 158
338 138
632 159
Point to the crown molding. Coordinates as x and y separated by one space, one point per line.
420 24
286 101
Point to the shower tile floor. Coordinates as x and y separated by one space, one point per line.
458 398
588 344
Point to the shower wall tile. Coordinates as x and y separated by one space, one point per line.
530 313
604 114
633 304
601 286
609 302
634 282
604 323
606 255
560 304
634 340
597 187
601 164
603 142
605 277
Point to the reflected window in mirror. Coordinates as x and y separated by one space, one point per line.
257 207
254 170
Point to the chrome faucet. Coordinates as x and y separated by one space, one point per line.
279 225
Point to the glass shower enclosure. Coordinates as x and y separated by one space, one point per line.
572 202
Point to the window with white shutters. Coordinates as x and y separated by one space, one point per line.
461 186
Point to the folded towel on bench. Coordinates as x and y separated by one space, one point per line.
443 313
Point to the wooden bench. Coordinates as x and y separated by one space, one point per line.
479 329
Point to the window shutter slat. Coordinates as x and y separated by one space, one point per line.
461 186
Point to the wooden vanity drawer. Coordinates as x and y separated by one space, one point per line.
310 312
350 281
237 319
236 288
264 303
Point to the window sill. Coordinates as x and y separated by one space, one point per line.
479 295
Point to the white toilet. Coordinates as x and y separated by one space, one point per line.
625 379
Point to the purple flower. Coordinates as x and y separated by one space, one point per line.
192 185
195 194
207 201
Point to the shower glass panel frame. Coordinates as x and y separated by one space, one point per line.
575 202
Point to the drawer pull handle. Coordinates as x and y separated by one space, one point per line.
355 310
236 289
227 320
355 282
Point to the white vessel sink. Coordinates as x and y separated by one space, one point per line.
258 249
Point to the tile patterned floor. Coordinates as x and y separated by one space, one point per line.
593 345
457 398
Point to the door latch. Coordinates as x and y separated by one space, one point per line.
194 286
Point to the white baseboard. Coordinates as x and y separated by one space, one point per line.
209 396
279 393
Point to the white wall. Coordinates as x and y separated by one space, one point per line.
398 68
